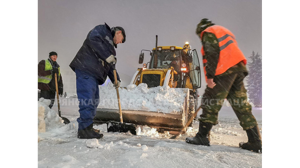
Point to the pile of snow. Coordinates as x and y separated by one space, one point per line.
151 132
158 99
51 125
93 143
50 116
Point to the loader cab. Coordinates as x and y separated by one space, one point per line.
184 61
163 58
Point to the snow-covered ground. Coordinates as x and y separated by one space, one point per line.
59 146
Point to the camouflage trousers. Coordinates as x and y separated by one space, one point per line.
230 87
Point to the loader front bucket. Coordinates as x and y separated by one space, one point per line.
163 121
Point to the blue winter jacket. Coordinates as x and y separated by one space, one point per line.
91 57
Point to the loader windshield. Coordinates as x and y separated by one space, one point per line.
165 58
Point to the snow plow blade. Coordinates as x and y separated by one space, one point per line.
161 121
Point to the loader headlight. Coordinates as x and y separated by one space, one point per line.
172 48
183 70
159 48
183 67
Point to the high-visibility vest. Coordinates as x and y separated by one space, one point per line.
230 54
48 78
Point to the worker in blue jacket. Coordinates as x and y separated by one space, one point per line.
92 64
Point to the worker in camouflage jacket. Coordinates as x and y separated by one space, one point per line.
225 70
46 78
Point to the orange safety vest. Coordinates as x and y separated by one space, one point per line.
230 54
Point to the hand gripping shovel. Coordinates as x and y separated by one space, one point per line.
66 121
116 126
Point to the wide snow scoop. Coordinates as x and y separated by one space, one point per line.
116 126
66 121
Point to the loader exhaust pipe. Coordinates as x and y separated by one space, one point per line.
155 55
156 42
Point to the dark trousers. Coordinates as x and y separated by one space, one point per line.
88 96
230 87
48 95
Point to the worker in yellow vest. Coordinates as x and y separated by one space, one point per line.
46 78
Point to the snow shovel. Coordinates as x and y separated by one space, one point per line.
116 126
66 121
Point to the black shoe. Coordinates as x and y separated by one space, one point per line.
89 133
201 137
254 141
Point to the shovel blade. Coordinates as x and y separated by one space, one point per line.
121 127
174 136
66 121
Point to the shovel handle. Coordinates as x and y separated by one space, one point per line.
56 87
190 120
116 82
187 124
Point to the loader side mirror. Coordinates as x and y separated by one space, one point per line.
141 58
197 68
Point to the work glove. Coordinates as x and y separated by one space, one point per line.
118 84
55 70
111 59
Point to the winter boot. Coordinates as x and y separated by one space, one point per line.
89 133
201 137
96 130
254 140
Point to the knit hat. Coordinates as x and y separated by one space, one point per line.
113 32
204 23
52 53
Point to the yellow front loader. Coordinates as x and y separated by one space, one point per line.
173 66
